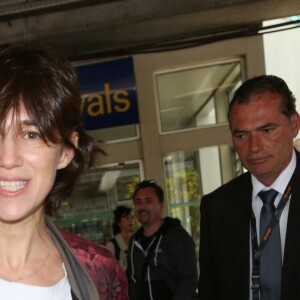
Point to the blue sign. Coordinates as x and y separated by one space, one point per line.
108 93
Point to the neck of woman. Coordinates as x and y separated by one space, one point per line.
126 236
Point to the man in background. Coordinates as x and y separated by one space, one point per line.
161 254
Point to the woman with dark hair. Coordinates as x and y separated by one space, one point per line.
122 230
43 150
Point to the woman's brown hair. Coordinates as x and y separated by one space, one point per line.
45 83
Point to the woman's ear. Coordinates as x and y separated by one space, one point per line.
68 152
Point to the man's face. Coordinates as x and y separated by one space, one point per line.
263 136
147 207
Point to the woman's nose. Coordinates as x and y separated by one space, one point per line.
10 153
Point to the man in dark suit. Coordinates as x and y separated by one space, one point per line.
233 262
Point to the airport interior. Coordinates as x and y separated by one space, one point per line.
156 79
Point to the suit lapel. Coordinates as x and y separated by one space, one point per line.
292 241
244 258
239 223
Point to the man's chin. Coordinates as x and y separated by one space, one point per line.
144 222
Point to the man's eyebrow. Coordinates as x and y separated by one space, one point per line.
239 131
265 126
270 124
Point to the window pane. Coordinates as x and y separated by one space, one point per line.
191 174
197 96
89 211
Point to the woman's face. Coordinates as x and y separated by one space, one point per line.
126 223
27 168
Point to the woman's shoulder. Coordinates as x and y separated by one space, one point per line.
99 262
111 247
121 243
81 246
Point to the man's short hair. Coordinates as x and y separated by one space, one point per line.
265 83
150 183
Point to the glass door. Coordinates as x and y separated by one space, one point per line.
88 212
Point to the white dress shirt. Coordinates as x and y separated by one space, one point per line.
278 185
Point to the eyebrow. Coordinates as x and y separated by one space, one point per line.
270 124
28 122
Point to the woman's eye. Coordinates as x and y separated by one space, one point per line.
32 135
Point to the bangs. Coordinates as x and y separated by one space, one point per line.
35 92
13 105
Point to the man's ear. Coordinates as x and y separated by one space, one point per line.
162 205
295 123
68 152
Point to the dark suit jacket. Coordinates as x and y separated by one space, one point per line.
225 242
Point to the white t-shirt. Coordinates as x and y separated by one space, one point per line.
15 290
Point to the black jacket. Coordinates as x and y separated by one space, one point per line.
167 268
225 242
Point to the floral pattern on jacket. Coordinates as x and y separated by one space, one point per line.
106 273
